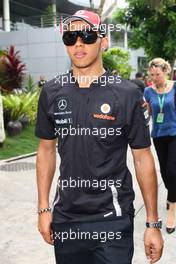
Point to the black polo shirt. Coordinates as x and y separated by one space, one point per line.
94 127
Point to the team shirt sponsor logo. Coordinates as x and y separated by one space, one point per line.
105 117
62 104
63 111
105 108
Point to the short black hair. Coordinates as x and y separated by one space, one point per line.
139 75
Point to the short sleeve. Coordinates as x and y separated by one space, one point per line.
138 129
44 125
146 94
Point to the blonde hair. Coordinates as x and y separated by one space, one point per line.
159 62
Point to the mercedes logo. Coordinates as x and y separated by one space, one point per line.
62 104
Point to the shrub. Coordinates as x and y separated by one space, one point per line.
116 59
30 85
12 70
21 104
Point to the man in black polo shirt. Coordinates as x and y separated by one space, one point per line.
94 115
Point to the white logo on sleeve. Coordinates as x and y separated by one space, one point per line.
105 108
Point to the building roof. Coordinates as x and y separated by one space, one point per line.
27 8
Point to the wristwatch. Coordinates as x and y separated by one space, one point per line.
157 224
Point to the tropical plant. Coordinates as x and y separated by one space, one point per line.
20 105
116 59
30 85
12 70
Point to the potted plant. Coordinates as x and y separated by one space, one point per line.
20 106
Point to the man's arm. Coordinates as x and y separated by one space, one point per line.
45 166
147 180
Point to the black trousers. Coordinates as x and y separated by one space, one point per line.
166 152
106 242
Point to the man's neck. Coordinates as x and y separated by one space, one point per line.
85 76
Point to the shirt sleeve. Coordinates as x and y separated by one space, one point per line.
146 95
44 125
138 128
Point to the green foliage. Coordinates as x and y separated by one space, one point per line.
30 85
117 59
48 17
21 104
153 25
2 52
12 70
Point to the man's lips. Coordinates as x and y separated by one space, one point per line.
80 54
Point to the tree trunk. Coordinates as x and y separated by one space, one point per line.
100 9
172 63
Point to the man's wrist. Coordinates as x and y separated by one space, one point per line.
43 210
43 204
152 218
155 224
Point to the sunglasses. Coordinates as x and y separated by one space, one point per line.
87 36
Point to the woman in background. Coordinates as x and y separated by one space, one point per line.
161 97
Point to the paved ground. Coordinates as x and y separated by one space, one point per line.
20 240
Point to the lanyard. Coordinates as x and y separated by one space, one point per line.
161 102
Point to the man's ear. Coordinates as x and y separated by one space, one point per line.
104 43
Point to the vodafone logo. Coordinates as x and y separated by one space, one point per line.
105 108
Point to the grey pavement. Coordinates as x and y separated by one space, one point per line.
20 242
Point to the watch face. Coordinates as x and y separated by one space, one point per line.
160 223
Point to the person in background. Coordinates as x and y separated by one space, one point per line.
41 82
139 81
161 99
147 81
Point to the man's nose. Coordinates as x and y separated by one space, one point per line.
79 41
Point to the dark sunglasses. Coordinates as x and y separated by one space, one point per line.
87 36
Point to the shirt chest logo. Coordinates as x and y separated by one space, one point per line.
62 111
105 108
62 104
104 111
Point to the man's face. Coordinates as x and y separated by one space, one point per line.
84 55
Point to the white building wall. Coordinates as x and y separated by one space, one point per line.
134 55
41 50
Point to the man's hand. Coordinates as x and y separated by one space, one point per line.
153 242
147 106
44 227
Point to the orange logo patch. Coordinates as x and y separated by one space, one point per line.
105 117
